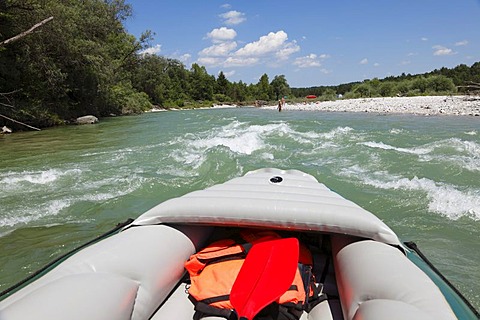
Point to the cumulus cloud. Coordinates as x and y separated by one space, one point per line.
240 61
364 61
308 61
288 49
266 44
222 34
210 61
461 43
152 50
442 51
233 17
219 50
270 49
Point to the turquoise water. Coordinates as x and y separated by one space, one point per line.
63 186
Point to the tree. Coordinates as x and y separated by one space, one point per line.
440 84
280 87
264 91
201 83
74 66
386 89
223 85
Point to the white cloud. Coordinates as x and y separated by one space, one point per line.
376 64
240 61
152 50
210 61
266 44
364 61
226 6
185 57
233 17
287 50
461 43
442 51
424 38
229 73
219 50
222 34
308 61
269 49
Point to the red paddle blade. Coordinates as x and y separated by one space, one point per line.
266 274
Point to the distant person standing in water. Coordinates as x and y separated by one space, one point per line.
279 106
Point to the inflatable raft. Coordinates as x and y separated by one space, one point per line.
137 271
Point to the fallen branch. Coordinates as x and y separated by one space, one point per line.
26 125
23 34
7 105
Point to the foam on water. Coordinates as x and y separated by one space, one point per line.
59 189
43 177
454 151
245 139
27 215
240 138
445 199
381 145
397 131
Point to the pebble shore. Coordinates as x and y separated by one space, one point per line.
430 105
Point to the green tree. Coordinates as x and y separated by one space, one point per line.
329 94
280 87
223 85
202 84
440 84
386 89
363 89
71 67
264 90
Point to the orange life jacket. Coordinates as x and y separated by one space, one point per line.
214 269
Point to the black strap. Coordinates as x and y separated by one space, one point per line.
325 270
225 297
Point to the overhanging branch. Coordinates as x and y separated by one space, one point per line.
23 34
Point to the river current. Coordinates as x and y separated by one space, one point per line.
421 175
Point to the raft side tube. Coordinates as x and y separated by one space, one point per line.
125 276
377 281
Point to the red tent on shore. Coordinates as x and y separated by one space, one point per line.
311 96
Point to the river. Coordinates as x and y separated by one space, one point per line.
421 175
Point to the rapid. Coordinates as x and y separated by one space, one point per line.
64 186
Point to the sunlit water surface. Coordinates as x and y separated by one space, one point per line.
63 186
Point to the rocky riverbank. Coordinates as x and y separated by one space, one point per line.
430 105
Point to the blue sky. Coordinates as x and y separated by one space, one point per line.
312 43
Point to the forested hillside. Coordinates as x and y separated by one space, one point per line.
64 59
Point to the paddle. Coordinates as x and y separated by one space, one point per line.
266 274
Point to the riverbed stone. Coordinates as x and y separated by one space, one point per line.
5 130
86 120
